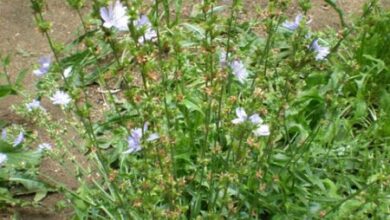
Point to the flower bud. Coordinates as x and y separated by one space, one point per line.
37 6
76 4
43 26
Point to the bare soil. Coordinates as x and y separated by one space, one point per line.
20 39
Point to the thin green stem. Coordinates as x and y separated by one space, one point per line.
102 82
7 75
166 89
338 205
82 20
223 88
167 12
88 125
115 52
338 10
265 52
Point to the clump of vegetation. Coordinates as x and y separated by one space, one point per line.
203 117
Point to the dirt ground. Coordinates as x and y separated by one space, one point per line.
20 39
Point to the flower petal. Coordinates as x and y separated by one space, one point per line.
136 133
240 112
104 14
68 71
44 147
239 71
153 137
60 98
238 121
256 119
3 134
262 130
115 16
321 52
3 158
19 139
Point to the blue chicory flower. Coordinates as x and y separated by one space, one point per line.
242 117
261 130
134 140
237 66
239 71
3 134
153 136
293 25
19 139
321 52
3 158
115 15
256 119
35 104
60 98
223 59
68 71
44 67
150 34
44 147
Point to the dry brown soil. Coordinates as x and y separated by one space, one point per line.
20 39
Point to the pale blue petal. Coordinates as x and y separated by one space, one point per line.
256 119
262 130
19 139
3 134
104 14
240 112
153 137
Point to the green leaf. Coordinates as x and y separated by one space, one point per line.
216 9
6 90
6 196
20 77
3 123
360 108
178 10
196 202
29 184
24 159
198 31
39 196
192 106
23 53
6 60
6 147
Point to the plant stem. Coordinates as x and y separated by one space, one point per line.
265 53
167 12
87 125
7 75
166 89
223 88
350 197
82 20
